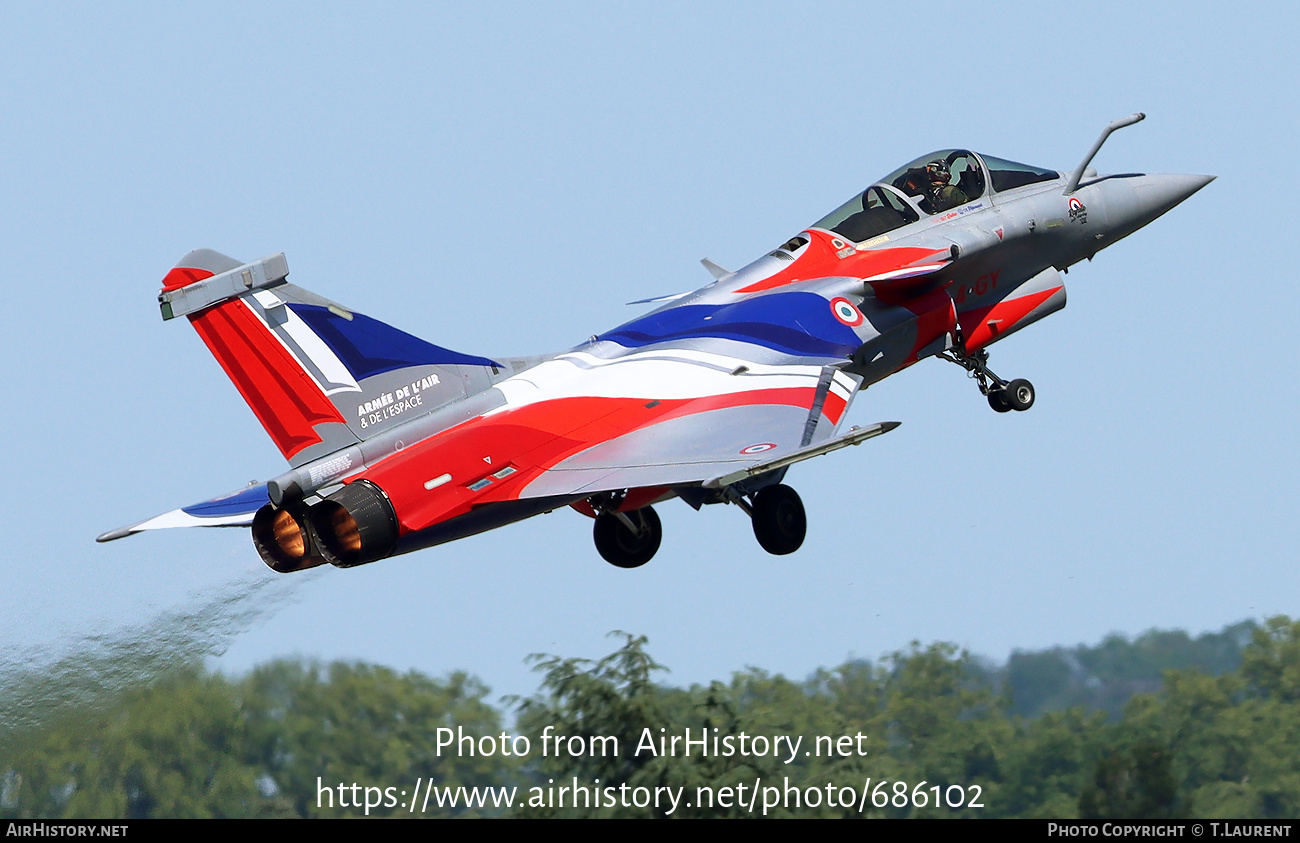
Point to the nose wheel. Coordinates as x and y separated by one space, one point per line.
1017 395
1003 396
628 539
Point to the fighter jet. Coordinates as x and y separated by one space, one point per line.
395 444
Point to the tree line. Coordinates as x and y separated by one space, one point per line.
1161 726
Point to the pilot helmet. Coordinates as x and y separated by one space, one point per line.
937 171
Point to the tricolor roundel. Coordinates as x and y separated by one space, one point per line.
846 312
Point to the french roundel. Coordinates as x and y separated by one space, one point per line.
1075 204
758 449
846 312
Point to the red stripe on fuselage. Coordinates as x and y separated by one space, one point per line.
821 260
532 439
284 398
935 316
1006 313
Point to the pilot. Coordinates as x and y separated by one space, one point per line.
941 193
915 183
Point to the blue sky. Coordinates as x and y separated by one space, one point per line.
500 181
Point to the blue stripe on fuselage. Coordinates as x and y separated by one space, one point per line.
799 323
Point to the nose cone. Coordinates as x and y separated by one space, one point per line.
1157 194
1138 200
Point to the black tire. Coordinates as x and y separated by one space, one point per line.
623 548
779 520
999 402
1019 395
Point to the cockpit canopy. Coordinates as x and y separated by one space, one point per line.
875 211
932 183
940 180
1008 175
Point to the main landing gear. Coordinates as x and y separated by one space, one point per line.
628 539
1003 396
778 518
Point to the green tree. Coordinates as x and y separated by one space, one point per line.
173 748
1230 741
312 728
1132 783
944 722
1272 661
587 722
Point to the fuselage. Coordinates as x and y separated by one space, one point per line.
921 276
395 443
927 279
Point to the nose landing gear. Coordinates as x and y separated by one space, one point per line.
1003 396
1017 395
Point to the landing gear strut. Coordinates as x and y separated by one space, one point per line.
1003 395
628 539
778 519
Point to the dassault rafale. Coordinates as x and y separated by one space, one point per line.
395 444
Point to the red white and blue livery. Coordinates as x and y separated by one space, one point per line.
395 444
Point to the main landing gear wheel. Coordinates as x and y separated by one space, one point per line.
779 520
628 539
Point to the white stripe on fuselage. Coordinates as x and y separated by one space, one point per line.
663 374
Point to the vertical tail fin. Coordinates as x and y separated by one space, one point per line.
319 377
